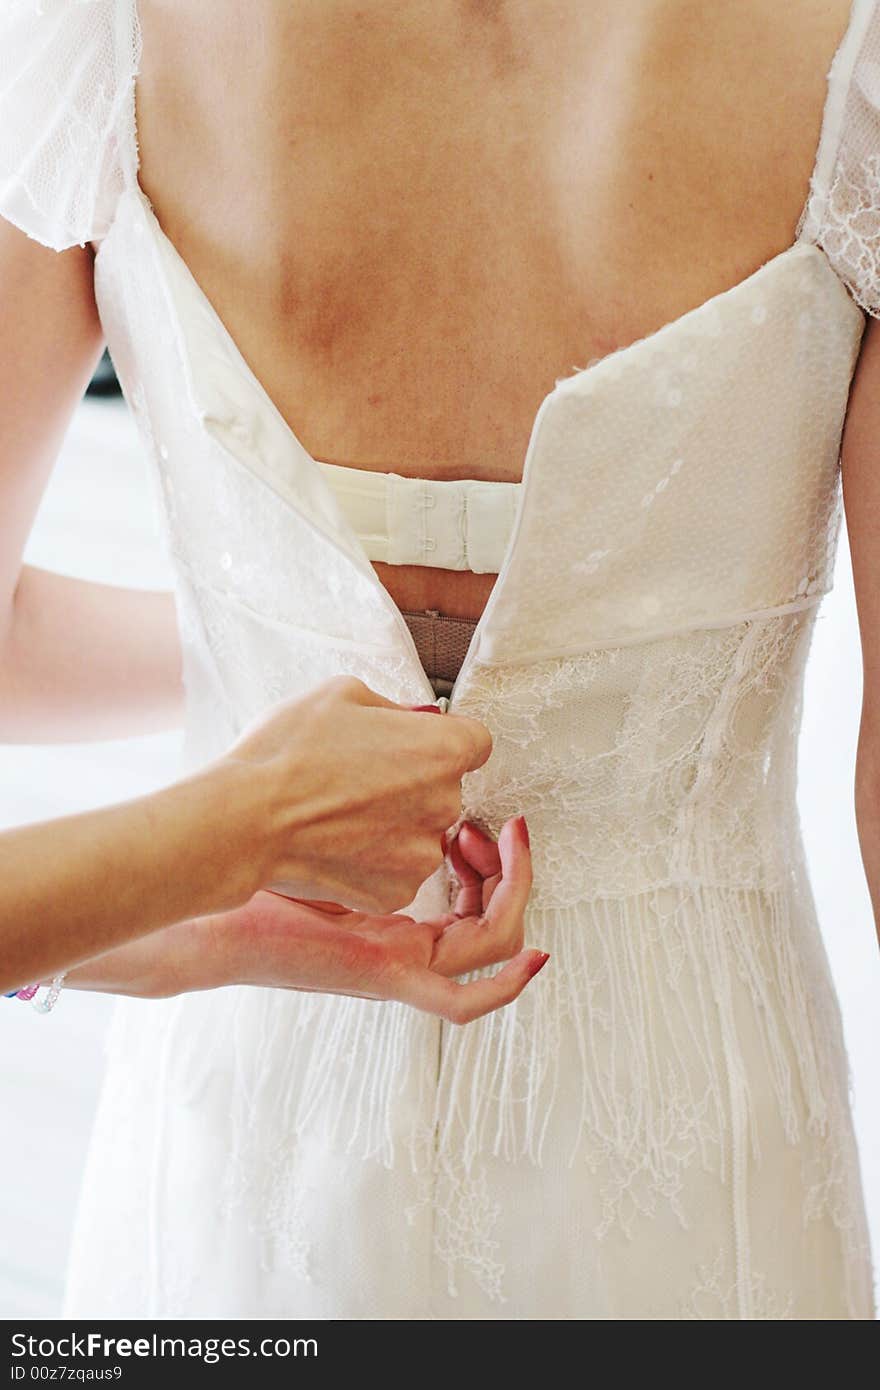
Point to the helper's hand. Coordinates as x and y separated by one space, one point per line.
287 944
346 796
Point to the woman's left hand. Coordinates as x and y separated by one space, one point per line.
285 943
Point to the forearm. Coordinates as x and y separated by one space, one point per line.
83 885
178 959
87 661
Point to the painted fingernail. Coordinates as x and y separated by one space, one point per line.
538 963
425 709
524 830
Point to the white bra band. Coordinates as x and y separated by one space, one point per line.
463 525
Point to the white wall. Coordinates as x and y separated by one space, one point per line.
98 521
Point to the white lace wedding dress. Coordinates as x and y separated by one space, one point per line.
659 1127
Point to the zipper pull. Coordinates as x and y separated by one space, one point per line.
443 704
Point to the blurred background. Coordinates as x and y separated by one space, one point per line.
98 521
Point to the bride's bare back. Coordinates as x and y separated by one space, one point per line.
414 217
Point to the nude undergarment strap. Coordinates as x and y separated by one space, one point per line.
442 644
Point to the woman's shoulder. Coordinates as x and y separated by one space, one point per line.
67 70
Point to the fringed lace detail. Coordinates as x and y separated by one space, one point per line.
623 1061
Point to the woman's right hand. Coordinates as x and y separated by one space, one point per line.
349 795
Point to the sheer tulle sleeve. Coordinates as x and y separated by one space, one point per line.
842 213
67 140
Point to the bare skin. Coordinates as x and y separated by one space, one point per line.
860 462
449 206
457 202
322 947
307 802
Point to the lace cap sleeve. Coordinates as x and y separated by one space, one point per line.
67 141
842 212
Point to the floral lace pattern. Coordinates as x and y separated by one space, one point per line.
655 764
842 211
714 1297
851 229
60 179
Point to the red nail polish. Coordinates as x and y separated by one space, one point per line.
524 831
538 963
425 709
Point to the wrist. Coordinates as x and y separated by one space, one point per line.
188 956
202 954
217 813
269 816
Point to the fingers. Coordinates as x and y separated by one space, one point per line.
494 932
462 1003
355 690
512 894
479 850
469 943
469 900
478 854
474 738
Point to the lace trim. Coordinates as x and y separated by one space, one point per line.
849 216
67 140
649 995
842 211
